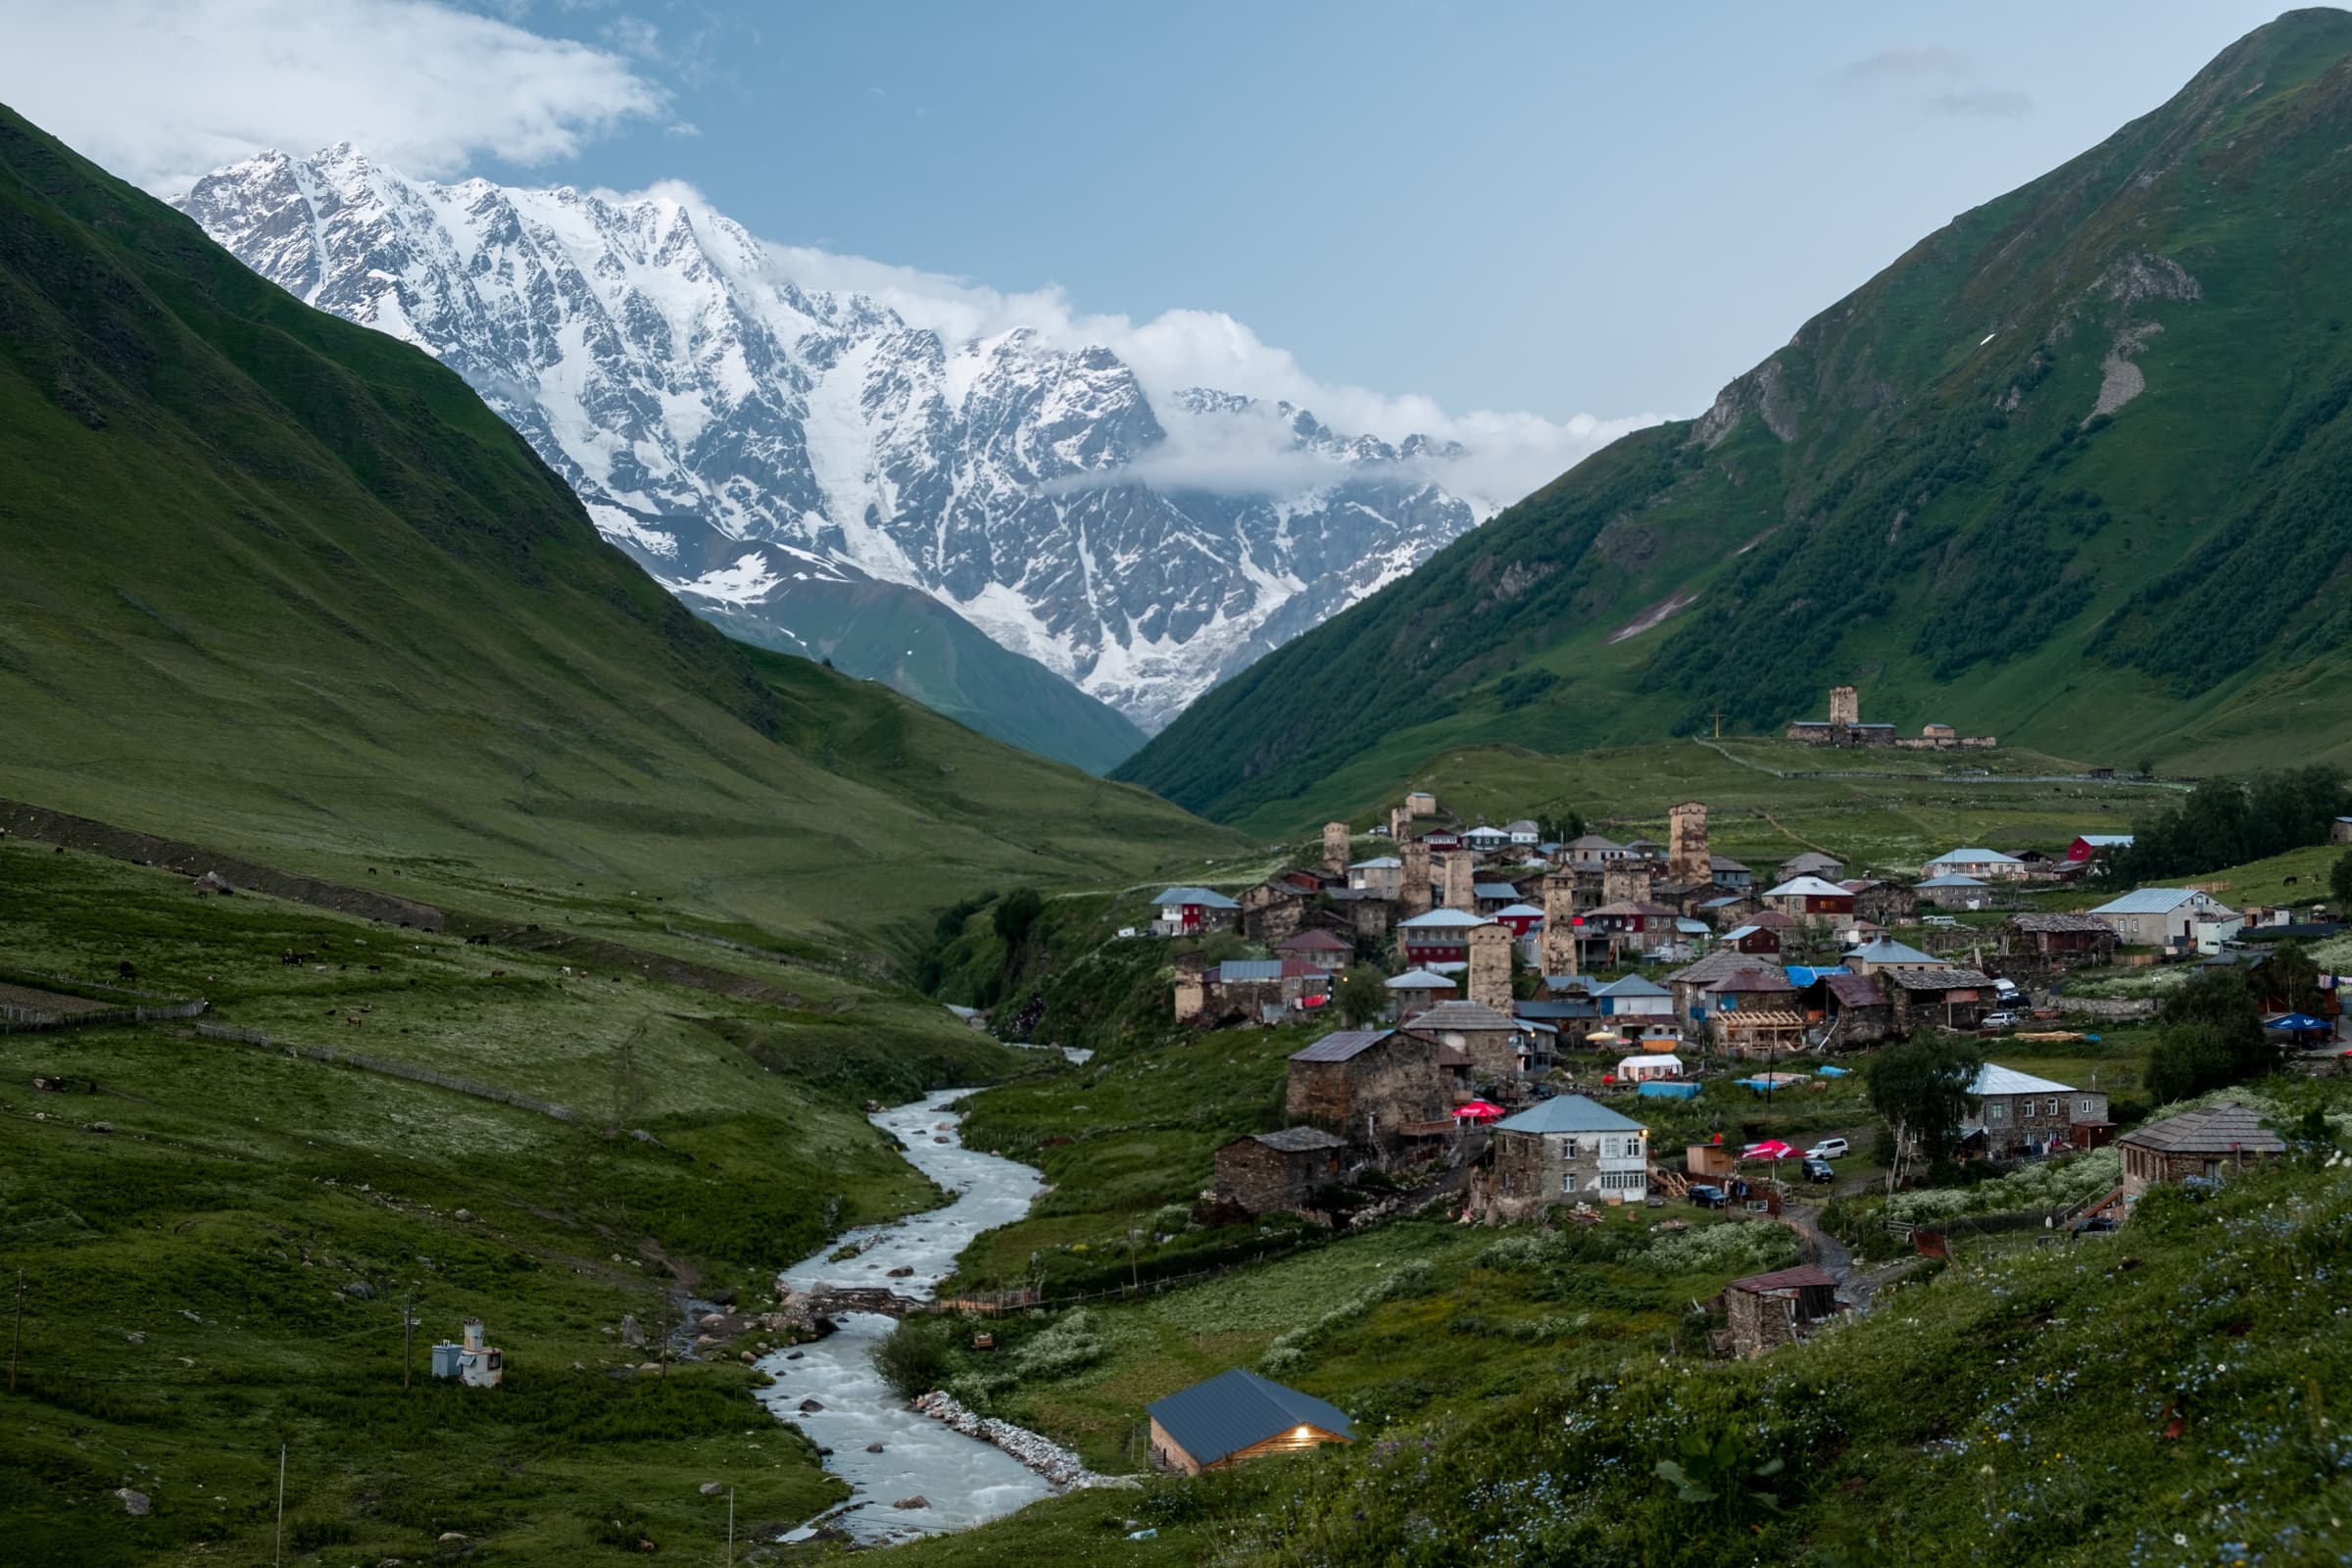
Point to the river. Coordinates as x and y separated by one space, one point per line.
964 1481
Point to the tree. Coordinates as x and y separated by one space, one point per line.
2220 1000
1362 990
1920 1089
2339 883
2186 1060
2289 974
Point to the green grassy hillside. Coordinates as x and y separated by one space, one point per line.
2075 471
282 585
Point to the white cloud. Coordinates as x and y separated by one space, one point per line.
1508 454
163 91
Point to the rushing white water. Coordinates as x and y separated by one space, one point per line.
964 1481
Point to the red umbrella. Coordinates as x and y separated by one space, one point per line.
1479 1110
1769 1148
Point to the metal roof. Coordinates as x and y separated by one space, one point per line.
1458 1015
1568 1113
1378 863
1633 985
1951 879
1562 1008
1808 887
1493 890
1420 980
2104 841
1298 1140
1441 919
1242 971
1976 856
2148 900
1993 1080
1236 1409
1520 912
1344 1045
1886 950
1199 896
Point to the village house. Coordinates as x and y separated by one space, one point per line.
1812 863
1273 1173
1490 897
1524 832
1487 839
1420 802
1325 948
1935 995
1755 1013
1257 990
1953 891
1728 911
1437 939
1856 932
1728 874
2339 831
1415 992
1809 898
1494 1042
1237 1416
2063 939
2019 1117
1882 903
1752 938
1985 865
2206 1145
1276 906
1523 919
1372 1087
1591 852
1691 983
2158 918
1887 954
1188 912
1565 1150
2088 847
1765 1311
1633 927
1856 1010
1383 877
1635 998
1439 841
2214 929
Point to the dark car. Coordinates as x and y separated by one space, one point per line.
1820 1170
1706 1195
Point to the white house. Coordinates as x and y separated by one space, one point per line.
1525 833
1485 839
1985 865
2159 917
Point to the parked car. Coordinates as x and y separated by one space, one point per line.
1828 1148
1706 1195
2003 1019
1820 1170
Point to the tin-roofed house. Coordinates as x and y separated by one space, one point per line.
1237 1416
1565 1150
1985 865
1809 898
1257 990
1272 1173
1188 912
2158 918
1415 992
1496 1042
2019 1117
1439 936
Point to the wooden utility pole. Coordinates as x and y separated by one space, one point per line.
408 1335
1717 716
279 1556
17 1341
730 1527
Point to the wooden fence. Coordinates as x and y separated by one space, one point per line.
393 1069
15 1020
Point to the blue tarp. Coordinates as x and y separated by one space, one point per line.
1833 1072
2295 1023
1801 975
1663 1089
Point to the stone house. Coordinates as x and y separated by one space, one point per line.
2020 1116
1416 991
1954 890
1885 953
1809 898
1752 939
2209 1146
1493 1040
1634 926
1856 1009
1592 852
1439 936
1272 1173
1690 984
1382 875
1811 864
1733 876
1261 990
2339 831
1938 997
1881 903
1317 945
1276 908
1372 1087
1764 1312
1566 1149
2063 939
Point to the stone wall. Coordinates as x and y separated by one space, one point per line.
1267 1181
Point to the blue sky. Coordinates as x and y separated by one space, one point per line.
1518 206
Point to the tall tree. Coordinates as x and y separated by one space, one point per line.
1920 1089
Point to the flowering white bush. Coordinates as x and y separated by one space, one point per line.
1067 1347
1711 1249
2051 1185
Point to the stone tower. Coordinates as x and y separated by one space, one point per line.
1413 894
1491 966
1845 706
1559 923
1687 859
1627 881
1461 877
1335 848
1400 822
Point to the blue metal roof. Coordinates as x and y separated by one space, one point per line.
1568 1113
1200 896
1234 1410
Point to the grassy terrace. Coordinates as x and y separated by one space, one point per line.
223 1272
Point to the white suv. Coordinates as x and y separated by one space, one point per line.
1828 1148
2004 1019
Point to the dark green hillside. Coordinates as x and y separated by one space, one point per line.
2075 471
282 585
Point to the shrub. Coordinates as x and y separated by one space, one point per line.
913 1359
1746 1248
1069 1345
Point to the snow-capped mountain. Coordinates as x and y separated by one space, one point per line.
747 437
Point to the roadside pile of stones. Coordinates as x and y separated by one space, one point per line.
1057 1464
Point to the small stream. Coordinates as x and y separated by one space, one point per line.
964 1481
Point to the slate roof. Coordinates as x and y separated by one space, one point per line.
1756 979
1803 1277
1236 1409
1314 941
1809 863
2060 922
1342 1046
1715 965
1993 1080
1591 840
1913 978
1568 1113
2147 900
1299 1140
2219 1130
1199 896
1724 863
1459 1014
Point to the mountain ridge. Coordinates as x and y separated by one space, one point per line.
2012 484
749 439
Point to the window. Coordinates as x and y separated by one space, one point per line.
1567 1181
1623 1181
2086 1108
1993 1110
1567 1148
